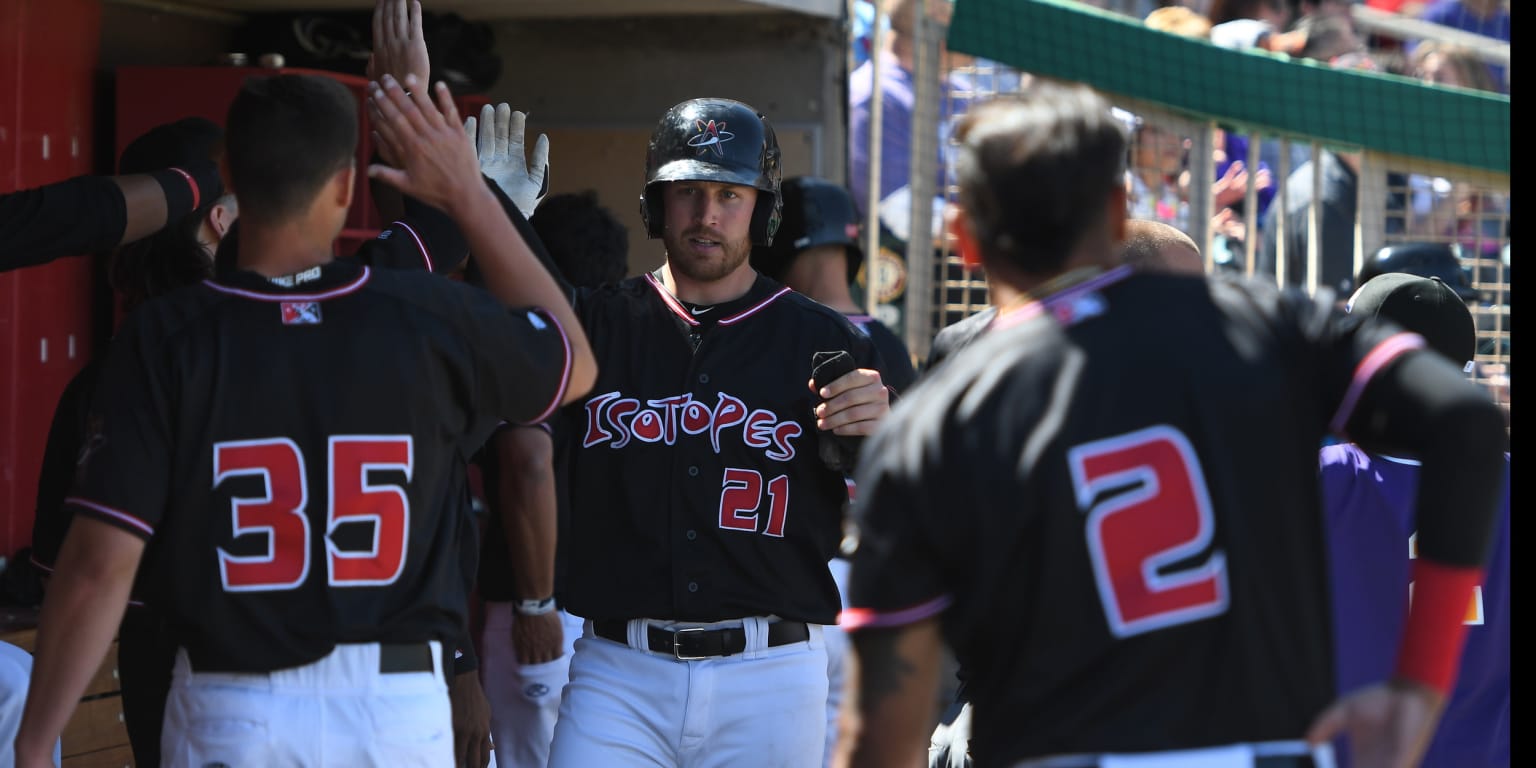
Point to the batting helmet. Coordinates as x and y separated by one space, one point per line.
1424 260
720 140
816 212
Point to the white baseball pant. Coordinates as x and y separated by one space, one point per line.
524 698
344 710
626 705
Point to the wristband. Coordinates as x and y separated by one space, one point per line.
534 607
1436 627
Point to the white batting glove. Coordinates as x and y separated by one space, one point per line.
498 140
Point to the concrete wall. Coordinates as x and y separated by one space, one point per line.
598 86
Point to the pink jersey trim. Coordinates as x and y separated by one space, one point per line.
279 297
420 246
1374 362
197 194
671 301
565 371
40 564
115 514
1036 307
752 310
866 618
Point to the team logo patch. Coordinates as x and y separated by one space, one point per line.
537 690
710 136
301 313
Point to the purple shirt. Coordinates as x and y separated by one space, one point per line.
896 106
1369 501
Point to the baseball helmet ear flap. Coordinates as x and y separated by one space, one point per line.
716 140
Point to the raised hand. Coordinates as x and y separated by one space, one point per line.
1388 724
499 141
436 164
399 47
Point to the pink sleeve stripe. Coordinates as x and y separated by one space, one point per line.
197 195
865 618
40 565
420 246
113 514
1374 362
565 371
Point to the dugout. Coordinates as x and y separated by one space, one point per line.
82 77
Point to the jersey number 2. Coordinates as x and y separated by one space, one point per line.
1141 539
279 514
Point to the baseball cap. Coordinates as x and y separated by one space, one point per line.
190 141
1424 305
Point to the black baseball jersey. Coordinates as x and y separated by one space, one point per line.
298 451
896 362
1111 497
953 337
696 489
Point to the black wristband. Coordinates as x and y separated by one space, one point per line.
186 188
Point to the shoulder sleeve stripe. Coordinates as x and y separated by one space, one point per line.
865 618
420 246
565 370
40 565
1374 362
123 519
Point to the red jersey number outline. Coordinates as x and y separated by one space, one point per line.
741 492
279 513
1163 517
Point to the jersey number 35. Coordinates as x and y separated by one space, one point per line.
279 514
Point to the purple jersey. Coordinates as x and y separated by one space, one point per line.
1369 504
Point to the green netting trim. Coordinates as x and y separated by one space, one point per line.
1247 90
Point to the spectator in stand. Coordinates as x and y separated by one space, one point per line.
898 103
1262 24
1489 18
1340 190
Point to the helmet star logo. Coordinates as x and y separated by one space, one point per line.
710 136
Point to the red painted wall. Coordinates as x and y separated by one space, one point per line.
48 56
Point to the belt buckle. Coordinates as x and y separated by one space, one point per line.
677 643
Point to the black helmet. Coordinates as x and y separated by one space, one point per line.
816 212
719 140
1424 260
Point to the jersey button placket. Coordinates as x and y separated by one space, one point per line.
692 535
703 378
693 471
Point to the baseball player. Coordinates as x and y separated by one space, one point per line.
1148 245
816 252
311 578
1108 501
706 475
86 214
1368 498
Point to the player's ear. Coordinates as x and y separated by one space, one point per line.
342 184
959 226
1114 213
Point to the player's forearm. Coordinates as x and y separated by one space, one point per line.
82 610
895 679
527 509
514 275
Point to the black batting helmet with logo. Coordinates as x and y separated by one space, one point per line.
720 140
816 212
1424 260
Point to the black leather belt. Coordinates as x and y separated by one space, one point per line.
700 643
1261 761
404 657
